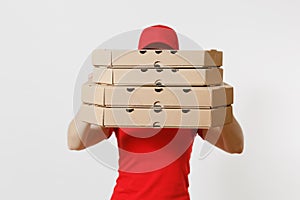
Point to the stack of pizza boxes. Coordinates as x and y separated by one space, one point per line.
157 88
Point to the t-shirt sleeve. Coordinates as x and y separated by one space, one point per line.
110 131
200 133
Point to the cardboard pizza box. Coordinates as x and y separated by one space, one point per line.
101 57
167 97
157 58
142 117
167 77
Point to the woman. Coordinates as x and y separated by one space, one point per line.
154 163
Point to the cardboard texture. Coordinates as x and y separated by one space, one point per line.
102 56
172 97
157 58
93 93
167 77
141 117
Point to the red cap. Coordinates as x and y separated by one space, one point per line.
158 34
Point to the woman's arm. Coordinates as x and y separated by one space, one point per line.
229 139
82 135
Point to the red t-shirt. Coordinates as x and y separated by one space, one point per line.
153 163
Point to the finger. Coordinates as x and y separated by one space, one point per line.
90 76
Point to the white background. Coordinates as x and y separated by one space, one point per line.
44 43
